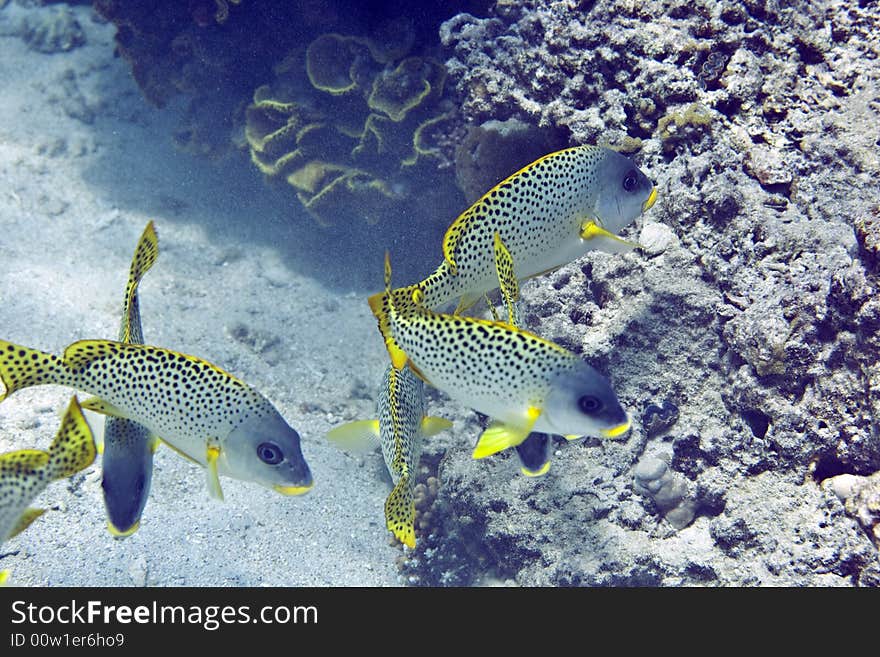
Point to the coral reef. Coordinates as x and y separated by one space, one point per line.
346 124
754 305
861 497
654 479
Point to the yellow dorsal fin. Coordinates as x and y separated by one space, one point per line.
74 447
400 512
453 236
432 425
25 520
4 577
145 255
358 436
84 352
211 456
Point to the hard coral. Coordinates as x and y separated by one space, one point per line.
346 124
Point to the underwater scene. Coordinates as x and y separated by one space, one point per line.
478 293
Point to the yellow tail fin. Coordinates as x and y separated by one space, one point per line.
22 367
74 447
400 512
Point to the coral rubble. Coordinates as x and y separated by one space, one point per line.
756 305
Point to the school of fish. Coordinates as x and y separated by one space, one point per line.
536 220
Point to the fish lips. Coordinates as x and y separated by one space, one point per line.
302 480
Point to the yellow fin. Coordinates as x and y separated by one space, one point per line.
495 317
145 255
400 512
359 436
572 436
467 301
74 447
155 441
214 488
432 425
398 356
181 452
418 373
84 352
507 280
605 240
26 459
122 533
26 519
499 436
98 405
22 367
540 472
4 577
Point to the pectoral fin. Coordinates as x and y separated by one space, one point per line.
98 405
360 436
467 301
604 240
499 436
213 475
432 425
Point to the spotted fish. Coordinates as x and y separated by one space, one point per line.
127 459
400 429
525 383
26 473
547 214
197 408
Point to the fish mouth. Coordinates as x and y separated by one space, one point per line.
651 198
293 490
619 430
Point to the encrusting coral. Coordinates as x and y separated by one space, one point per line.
346 123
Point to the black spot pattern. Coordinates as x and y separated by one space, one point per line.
537 212
491 367
401 409
181 398
127 461
26 473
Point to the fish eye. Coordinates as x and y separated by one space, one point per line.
630 180
270 453
589 404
